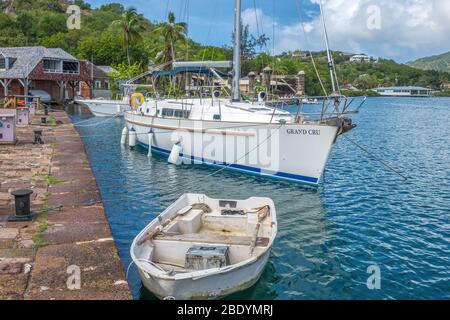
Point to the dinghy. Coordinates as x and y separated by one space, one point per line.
204 248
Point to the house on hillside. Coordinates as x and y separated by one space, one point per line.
299 54
445 86
349 86
363 58
38 68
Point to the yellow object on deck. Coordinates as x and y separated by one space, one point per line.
137 99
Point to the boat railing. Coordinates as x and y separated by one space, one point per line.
335 106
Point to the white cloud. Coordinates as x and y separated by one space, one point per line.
408 29
258 21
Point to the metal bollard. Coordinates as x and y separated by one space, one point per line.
38 137
23 206
46 110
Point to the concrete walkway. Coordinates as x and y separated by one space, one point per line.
68 252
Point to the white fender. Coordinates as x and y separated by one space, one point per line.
262 96
132 137
123 141
150 142
175 157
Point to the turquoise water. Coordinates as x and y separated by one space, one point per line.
362 215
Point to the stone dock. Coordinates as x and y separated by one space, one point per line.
68 251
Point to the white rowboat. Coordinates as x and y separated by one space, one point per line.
203 248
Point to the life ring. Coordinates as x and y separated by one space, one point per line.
21 103
137 99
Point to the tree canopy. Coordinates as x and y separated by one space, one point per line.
118 36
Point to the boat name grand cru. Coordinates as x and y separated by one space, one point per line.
311 132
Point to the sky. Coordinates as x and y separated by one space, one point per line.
402 30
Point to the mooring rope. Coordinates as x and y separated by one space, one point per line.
376 158
137 192
97 123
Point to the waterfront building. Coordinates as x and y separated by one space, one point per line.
408 91
100 84
38 68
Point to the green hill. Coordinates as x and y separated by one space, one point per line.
362 75
438 63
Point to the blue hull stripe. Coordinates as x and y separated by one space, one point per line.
282 175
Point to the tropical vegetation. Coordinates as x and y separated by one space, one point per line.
123 38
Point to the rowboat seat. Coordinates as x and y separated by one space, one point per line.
214 239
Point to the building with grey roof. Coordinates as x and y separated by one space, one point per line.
38 68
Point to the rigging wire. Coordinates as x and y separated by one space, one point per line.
376 158
298 5
167 8
260 33
331 53
255 8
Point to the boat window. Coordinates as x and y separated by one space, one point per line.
167 112
176 113
148 110
217 117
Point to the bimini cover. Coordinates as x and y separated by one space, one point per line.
198 70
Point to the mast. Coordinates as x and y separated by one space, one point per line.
237 52
330 59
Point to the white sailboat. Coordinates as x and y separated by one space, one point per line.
203 248
247 136
106 108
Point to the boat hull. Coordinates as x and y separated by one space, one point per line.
294 152
106 108
213 286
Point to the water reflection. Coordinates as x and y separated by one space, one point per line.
362 215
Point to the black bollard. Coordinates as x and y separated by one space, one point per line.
44 120
38 137
23 205
46 110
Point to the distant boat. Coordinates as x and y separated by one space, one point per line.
106 108
408 91
203 248
310 101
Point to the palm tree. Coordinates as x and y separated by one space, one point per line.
132 24
171 32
